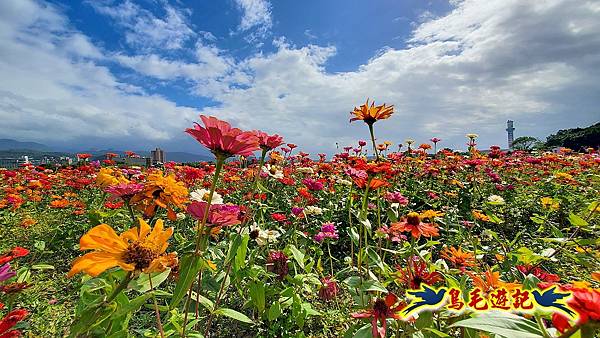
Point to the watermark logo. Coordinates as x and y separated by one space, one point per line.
503 299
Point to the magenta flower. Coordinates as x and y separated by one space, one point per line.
396 197
222 139
6 272
329 289
328 231
312 184
277 262
124 190
219 214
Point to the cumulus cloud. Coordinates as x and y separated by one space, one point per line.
145 29
58 93
468 71
486 61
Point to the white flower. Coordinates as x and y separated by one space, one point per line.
273 171
313 210
305 170
263 237
201 195
472 136
343 182
495 199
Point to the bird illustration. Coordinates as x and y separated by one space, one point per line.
427 296
550 297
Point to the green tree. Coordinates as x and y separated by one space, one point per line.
527 143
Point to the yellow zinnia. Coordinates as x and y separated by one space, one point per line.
108 176
137 249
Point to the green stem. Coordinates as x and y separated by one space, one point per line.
373 140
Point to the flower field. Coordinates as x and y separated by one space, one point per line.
370 242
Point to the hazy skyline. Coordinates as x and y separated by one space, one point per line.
125 74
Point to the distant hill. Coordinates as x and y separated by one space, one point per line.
576 138
8 144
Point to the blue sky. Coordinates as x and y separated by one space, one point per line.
134 74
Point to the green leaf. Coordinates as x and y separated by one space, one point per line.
436 332
42 267
190 265
257 295
274 311
354 235
134 305
233 314
240 256
142 283
298 255
502 324
205 302
577 221
364 332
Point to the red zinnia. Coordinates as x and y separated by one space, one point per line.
382 309
10 320
12 254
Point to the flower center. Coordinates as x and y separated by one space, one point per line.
413 219
380 308
139 255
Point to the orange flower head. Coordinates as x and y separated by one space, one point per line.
458 257
412 223
371 114
139 249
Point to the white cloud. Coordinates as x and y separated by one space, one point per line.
256 15
146 30
486 61
57 93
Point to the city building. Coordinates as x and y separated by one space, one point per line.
158 156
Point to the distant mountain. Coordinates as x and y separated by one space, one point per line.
183 157
8 144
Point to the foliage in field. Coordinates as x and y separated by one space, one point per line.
289 246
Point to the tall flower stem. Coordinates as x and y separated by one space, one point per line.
156 311
200 230
230 262
373 141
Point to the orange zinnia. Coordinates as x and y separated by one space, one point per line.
458 257
490 280
412 223
137 249
161 191
371 114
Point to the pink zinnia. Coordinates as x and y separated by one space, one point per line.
222 140
268 142
219 214
124 190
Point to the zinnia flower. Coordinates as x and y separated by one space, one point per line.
268 142
277 262
382 310
585 301
329 289
124 190
219 215
9 321
16 252
139 249
161 191
412 223
417 273
6 272
201 195
371 114
222 140
458 257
